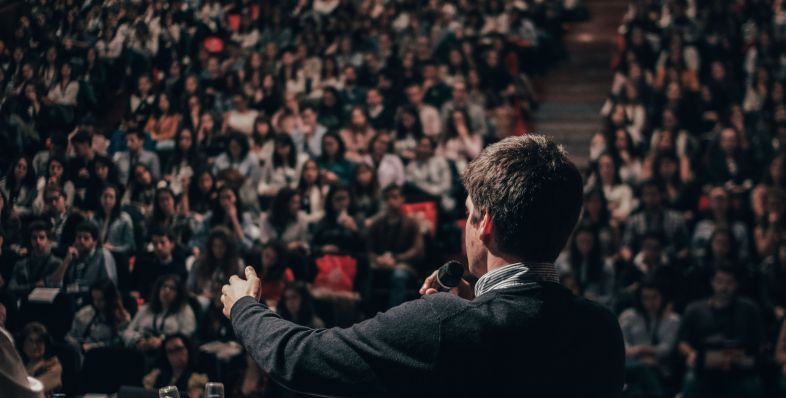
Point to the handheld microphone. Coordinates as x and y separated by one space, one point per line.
449 275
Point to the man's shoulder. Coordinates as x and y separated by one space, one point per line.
541 301
696 307
446 304
145 154
747 304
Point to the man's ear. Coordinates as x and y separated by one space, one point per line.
486 228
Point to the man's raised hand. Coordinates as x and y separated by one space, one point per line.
239 288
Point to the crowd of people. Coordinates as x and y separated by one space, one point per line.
155 148
684 230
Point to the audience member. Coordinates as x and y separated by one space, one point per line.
167 312
100 323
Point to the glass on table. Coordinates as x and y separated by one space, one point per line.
168 392
214 390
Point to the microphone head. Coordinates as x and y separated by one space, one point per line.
450 273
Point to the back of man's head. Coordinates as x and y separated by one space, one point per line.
531 191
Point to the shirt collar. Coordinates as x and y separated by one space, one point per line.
516 274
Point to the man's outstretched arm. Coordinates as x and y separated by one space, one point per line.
381 356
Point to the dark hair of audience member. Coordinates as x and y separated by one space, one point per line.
276 271
592 260
650 283
227 263
163 361
284 140
280 214
35 330
181 297
305 314
28 180
326 157
113 305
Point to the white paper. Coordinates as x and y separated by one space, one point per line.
43 295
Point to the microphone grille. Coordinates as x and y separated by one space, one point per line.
450 273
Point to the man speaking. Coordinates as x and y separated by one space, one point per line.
519 333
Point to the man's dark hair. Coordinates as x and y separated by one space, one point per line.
654 234
431 141
81 137
413 83
53 189
139 133
39 225
726 267
60 141
652 183
531 191
390 189
160 230
309 105
88 227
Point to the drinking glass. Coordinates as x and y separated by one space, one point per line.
168 392
214 390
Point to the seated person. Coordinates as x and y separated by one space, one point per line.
227 212
653 263
297 305
14 380
35 348
429 176
213 325
251 381
166 313
63 220
395 243
650 333
655 216
34 269
720 339
86 262
168 216
340 230
100 323
584 260
285 221
135 154
116 231
176 367
217 262
166 258
271 265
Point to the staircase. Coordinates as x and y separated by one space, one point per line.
573 92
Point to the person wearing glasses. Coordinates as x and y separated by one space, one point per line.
175 366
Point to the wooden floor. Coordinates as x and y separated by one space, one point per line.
573 91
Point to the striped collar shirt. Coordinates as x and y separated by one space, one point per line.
518 274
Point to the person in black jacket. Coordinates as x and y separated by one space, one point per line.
517 333
166 258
